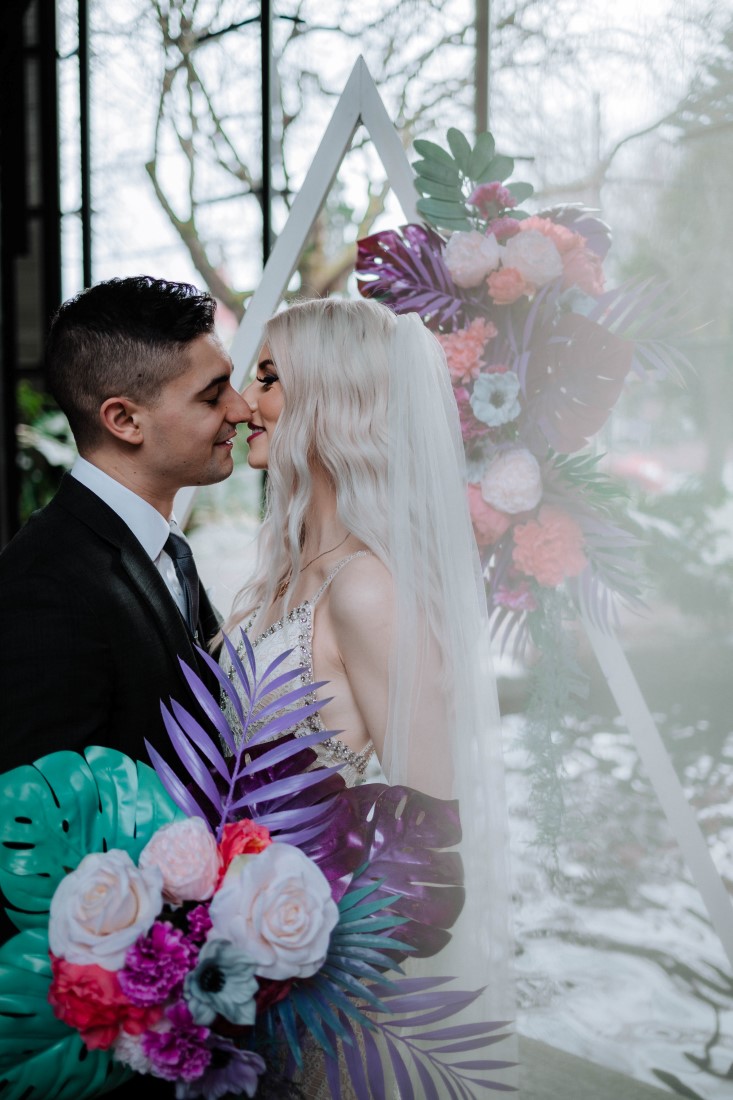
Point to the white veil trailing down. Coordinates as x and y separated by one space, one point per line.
444 733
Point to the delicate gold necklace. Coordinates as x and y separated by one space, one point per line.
283 586
323 553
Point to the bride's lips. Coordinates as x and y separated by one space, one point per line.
255 432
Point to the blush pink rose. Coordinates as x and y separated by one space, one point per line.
549 548
470 257
188 859
101 908
489 524
507 285
512 482
277 908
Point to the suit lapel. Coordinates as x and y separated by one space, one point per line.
142 573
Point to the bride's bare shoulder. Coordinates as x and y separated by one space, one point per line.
362 589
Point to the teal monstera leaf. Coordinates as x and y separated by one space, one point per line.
41 1057
57 810
52 814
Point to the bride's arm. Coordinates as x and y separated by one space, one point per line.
362 612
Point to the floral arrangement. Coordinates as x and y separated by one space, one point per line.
538 350
213 931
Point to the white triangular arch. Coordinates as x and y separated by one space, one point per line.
360 104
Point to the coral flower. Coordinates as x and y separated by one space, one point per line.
241 838
549 548
464 349
507 285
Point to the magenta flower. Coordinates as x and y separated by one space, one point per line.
199 923
471 428
179 1053
491 198
156 964
503 228
519 598
231 1071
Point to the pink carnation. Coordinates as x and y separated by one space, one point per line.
550 547
519 598
489 524
491 198
471 427
503 228
563 238
507 285
583 268
464 348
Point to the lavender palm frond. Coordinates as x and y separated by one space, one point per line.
405 269
259 767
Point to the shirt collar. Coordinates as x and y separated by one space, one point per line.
149 527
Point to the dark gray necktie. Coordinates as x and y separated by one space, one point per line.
180 554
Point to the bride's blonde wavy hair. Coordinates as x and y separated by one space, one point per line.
332 359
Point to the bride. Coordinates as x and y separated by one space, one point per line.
367 569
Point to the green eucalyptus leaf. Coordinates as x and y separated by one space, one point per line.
40 1056
439 190
519 215
481 157
431 151
440 173
438 208
498 168
65 805
521 191
446 214
460 149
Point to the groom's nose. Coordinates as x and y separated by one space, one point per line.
238 410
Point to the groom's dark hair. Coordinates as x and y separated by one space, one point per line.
124 337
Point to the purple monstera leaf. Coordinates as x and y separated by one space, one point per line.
401 836
575 374
404 268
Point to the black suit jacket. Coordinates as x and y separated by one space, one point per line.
89 635
89 641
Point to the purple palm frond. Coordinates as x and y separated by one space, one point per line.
260 768
404 268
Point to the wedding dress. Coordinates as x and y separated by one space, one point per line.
294 632
452 751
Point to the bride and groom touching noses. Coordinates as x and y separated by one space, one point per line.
99 595
366 570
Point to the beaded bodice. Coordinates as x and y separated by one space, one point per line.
294 632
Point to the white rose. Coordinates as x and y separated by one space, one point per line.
100 909
534 255
277 908
471 256
188 859
512 482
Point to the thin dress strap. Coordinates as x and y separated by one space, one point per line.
336 569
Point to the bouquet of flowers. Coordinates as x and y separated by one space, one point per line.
538 350
212 931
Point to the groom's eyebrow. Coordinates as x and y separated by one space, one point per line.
221 379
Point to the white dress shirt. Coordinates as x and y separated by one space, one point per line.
148 526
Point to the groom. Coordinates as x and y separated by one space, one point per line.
99 596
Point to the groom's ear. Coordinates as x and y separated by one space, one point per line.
120 417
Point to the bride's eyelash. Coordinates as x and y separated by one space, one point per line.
268 380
